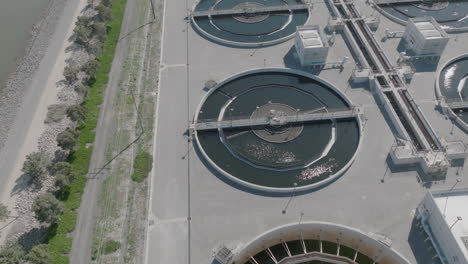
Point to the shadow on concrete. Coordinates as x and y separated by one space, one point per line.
421 64
291 61
421 246
385 116
422 178
250 190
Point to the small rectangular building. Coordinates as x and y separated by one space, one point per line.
444 216
424 36
311 45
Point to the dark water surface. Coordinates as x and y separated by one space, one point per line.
17 18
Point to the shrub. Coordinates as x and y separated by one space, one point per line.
142 166
4 212
82 35
71 73
67 139
83 21
104 13
90 67
60 167
76 113
100 31
12 253
47 209
107 3
63 181
36 166
81 89
110 246
39 255
95 47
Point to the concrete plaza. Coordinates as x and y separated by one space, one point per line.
194 209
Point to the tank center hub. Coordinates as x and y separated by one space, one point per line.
251 12
282 127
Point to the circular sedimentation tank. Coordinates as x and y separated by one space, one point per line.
253 27
450 14
452 84
284 152
317 242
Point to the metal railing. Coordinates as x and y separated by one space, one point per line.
249 10
300 116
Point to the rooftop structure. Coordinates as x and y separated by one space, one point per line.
444 216
424 36
311 45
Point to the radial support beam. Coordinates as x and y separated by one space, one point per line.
272 256
303 245
286 119
249 10
285 245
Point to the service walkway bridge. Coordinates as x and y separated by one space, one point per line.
249 10
458 105
382 2
300 116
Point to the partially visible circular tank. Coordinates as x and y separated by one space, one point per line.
284 152
450 14
253 27
452 88
316 242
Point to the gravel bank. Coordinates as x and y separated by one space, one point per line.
15 87
37 84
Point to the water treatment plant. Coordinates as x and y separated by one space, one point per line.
300 131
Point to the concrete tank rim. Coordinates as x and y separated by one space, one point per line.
403 22
235 44
267 189
316 224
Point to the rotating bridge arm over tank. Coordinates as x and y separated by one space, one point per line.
249 10
301 116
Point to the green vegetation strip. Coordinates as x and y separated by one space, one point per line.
58 236
142 166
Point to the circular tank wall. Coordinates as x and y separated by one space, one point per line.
450 14
312 241
286 154
249 29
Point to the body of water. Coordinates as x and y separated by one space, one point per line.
17 18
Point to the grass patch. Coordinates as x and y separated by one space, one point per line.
110 246
142 166
58 236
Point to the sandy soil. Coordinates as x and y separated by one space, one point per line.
28 126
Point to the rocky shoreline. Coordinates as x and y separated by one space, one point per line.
16 85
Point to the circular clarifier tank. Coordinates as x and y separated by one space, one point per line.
452 85
317 242
450 14
278 130
249 23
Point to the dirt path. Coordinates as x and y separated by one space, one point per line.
88 211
